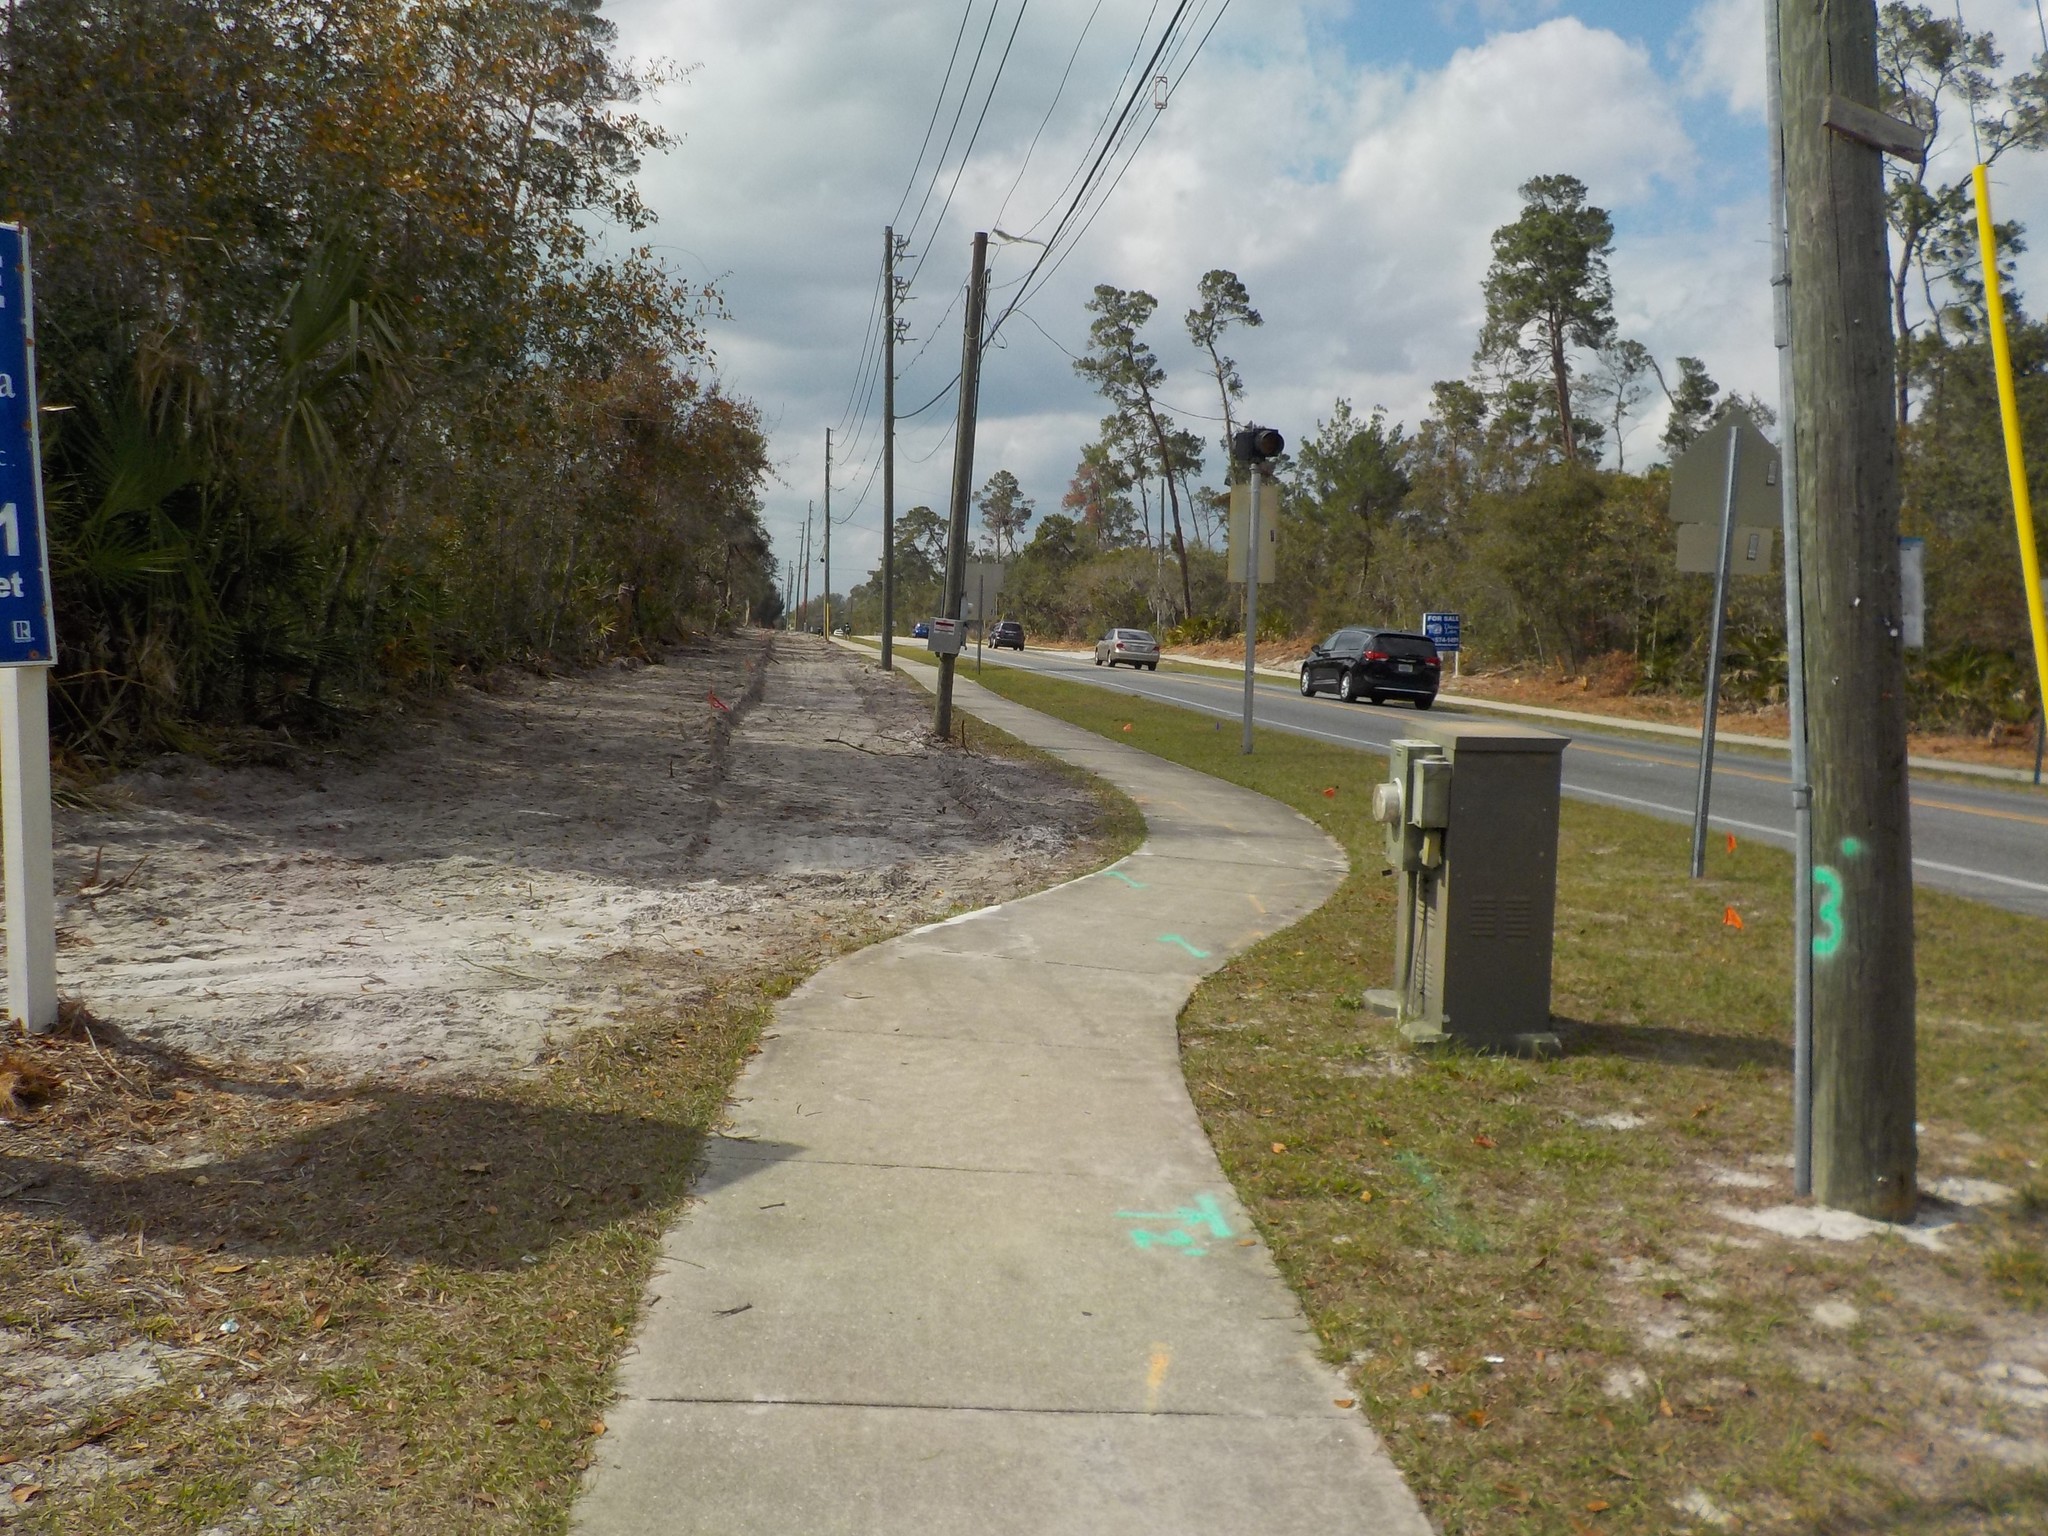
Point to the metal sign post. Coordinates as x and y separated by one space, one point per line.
1257 474
1728 476
27 650
1716 635
1252 553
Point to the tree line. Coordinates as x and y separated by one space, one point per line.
342 390
1519 499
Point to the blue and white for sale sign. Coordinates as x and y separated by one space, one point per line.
27 637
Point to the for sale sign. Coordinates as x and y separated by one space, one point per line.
26 635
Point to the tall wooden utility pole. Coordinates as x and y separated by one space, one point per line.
963 475
809 507
888 449
1864 1155
828 533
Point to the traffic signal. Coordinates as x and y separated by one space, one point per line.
1255 445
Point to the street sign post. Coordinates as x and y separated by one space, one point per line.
1255 448
1445 632
1746 466
1240 531
28 647
985 581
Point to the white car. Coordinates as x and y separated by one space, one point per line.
1132 647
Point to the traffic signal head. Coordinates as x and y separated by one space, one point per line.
1255 445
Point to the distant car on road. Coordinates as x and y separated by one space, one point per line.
920 630
1374 665
1006 633
1127 647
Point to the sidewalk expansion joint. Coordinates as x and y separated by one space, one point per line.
853 1162
1072 1413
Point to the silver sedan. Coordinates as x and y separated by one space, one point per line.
1132 647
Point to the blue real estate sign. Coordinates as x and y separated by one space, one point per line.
26 637
1442 629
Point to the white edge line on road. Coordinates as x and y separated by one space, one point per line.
1601 794
1750 826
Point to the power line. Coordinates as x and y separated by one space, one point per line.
903 202
1095 137
1058 91
966 154
966 91
1094 169
1108 191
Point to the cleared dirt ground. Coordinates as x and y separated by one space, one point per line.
383 1074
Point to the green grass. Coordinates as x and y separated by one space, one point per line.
1433 1211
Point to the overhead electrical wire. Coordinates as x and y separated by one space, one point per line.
1051 106
966 154
903 202
1095 168
959 111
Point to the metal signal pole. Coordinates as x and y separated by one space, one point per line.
1795 631
963 475
1864 1148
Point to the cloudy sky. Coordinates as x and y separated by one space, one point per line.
1347 158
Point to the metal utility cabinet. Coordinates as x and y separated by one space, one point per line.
1471 817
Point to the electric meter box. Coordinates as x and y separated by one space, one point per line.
1471 812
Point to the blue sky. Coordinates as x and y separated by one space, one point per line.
1348 160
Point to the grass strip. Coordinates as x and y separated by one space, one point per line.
1525 1266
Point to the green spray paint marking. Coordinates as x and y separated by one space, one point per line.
1174 938
1195 1223
1455 1227
1852 847
1826 943
1117 874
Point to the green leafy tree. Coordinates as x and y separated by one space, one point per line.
1005 510
1693 403
1224 303
1127 373
1548 292
1933 71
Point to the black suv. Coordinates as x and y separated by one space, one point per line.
1006 632
1374 664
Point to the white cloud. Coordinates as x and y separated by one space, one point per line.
1723 53
1355 200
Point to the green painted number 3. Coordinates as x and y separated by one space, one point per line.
1829 939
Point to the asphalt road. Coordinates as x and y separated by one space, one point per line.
1988 844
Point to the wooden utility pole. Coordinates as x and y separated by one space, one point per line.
888 449
963 476
809 507
1864 1152
828 533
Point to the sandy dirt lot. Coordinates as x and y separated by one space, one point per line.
349 1109
524 863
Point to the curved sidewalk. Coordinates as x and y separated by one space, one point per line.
966 1262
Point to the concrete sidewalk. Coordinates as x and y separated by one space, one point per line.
966 1262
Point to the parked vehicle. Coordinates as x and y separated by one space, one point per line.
1006 634
920 630
1127 647
1374 665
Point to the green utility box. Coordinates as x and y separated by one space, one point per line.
1471 817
